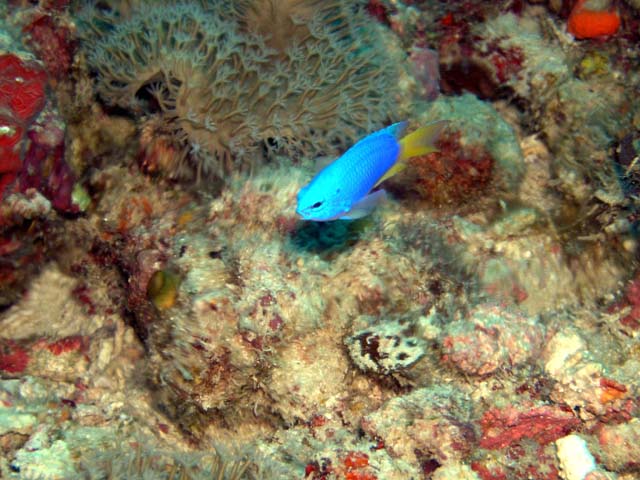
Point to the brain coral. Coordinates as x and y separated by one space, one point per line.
229 83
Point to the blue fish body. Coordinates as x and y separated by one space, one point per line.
338 188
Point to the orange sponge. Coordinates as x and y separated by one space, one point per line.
587 23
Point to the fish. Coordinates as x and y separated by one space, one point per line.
344 189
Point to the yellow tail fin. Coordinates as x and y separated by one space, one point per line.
421 141
415 144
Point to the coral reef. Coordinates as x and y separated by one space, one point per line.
481 324
415 428
483 131
452 175
22 96
141 463
489 339
51 38
222 84
36 182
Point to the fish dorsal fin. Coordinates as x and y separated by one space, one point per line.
396 129
321 163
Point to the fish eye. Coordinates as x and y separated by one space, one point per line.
316 205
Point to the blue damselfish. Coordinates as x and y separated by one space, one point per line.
343 189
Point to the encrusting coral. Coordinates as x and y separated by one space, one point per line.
224 84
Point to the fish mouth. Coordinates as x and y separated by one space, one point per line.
302 215
309 215
305 214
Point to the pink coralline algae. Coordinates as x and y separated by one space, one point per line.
10 138
52 40
66 344
520 462
42 165
378 10
507 62
631 299
22 88
620 446
62 358
457 173
504 427
491 338
22 96
425 68
13 357
469 63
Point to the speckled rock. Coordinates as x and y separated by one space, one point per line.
518 264
309 378
385 348
492 338
455 471
619 446
428 423
584 382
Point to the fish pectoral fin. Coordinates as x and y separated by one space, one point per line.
397 129
365 206
396 168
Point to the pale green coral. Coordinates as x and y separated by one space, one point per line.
146 463
50 462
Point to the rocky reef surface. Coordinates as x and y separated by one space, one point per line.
165 314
